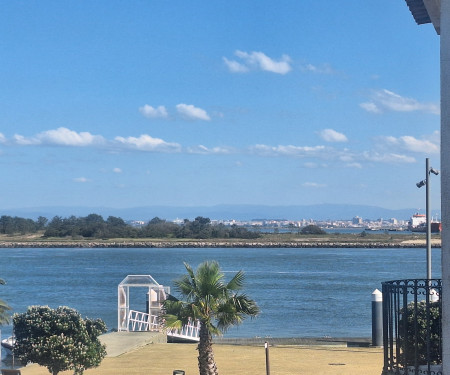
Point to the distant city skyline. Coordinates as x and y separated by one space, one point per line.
226 212
121 105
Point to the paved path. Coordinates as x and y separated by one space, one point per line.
273 341
118 343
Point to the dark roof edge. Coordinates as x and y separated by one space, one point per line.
426 11
418 11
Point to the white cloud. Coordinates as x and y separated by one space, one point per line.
200 149
190 112
354 165
310 164
235 67
151 112
387 149
289 150
385 100
427 144
61 137
326 157
346 156
2 138
388 158
81 180
23 141
258 61
66 137
330 135
313 185
322 69
419 145
147 143
370 107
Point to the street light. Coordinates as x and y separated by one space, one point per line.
426 182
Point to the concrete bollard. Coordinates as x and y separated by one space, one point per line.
266 346
377 318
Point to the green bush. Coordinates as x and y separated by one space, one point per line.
312 229
59 339
413 338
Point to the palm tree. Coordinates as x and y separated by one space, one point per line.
215 304
4 317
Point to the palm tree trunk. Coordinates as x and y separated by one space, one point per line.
206 363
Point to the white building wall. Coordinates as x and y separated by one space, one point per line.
445 179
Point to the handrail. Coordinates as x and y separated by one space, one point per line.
412 328
141 321
190 331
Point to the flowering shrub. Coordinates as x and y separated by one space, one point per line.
59 339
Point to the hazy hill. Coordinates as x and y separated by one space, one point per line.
238 212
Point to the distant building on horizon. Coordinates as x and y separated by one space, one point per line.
357 220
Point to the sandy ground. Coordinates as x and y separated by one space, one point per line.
160 359
434 242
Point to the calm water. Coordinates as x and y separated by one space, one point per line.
301 292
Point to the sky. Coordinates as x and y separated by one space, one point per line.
198 103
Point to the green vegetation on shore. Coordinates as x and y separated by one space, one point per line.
94 226
93 231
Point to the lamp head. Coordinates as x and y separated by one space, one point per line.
421 183
434 171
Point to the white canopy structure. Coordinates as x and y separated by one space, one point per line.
133 320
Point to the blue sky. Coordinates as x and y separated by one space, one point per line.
184 103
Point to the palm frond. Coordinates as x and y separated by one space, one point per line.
235 310
237 282
172 321
178 313
215 330
210 279
245 305
172 306
185 287
4 317
191 274
211 300
4 308
227 316
187 284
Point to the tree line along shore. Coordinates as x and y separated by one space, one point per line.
93 231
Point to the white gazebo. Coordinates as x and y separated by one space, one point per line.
437 12
130 319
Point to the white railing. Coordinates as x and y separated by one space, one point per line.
140 321
190 331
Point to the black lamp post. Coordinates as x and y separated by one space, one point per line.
426 183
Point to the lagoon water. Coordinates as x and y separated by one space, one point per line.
301 292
